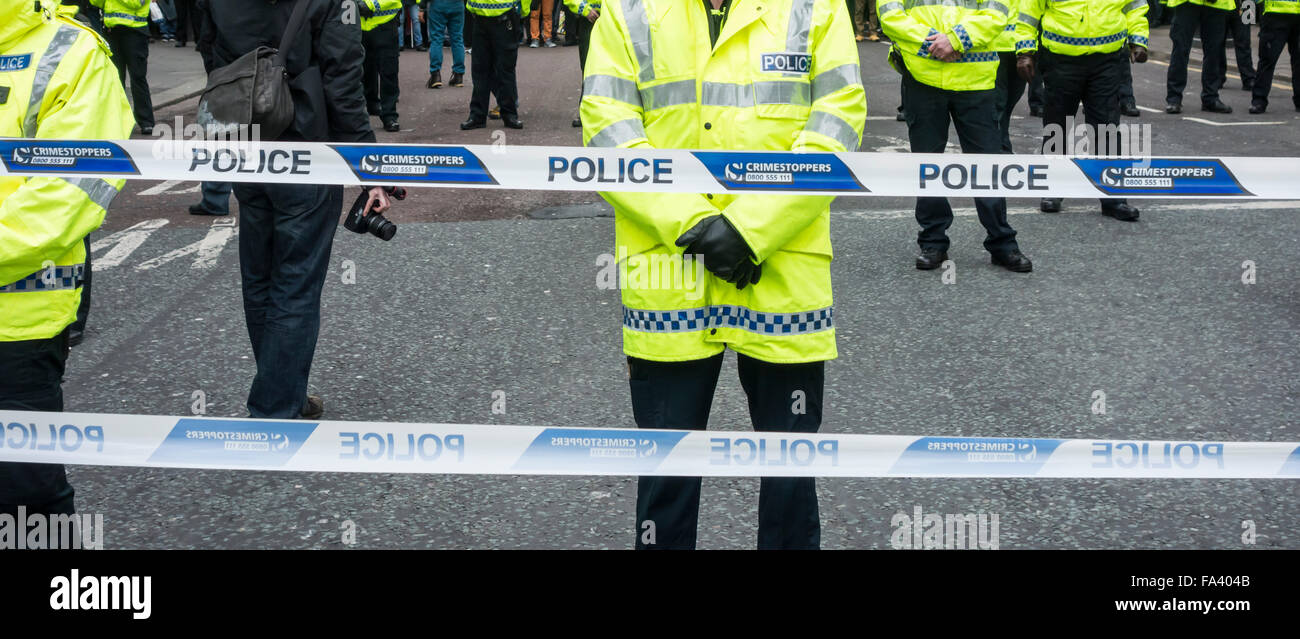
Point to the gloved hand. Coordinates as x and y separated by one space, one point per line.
1138 53
1025 67
725 252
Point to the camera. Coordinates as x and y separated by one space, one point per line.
359 221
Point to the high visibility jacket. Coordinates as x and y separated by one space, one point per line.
582 7
1006 41
491 8
60 84
972 26
123 13
1282 6
1081 27
1216 4
381 11
783 75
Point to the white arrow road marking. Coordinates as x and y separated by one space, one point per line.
205 251
167 186
124 242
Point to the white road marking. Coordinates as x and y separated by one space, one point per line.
205 251
1149 109
1213 123
124 243
167 186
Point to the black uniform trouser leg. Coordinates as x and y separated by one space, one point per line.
379 71
678 395
928 110
496 47
1241 47
1010 88
1212 25
31 378
582 26
1126 80
1091 80
1036 90
1276 31
130 48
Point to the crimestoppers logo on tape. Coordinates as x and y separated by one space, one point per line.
779 171
223 442
1291 468
974 456
63 157
1160 176
427 164
572 450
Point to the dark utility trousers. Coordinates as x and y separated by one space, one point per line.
130 47
285 235
975 114
1092 80
492 67
1010 88
1277 30
379 72
677 395
1240 32
31 378
1212 24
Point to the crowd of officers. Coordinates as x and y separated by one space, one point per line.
694 74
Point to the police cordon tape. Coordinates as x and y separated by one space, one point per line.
657 170
380 447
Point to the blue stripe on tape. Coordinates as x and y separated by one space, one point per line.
974 456
573 450
232 443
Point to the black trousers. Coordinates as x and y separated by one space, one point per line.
1240 32
1276 31
1010 88
187 21
130 47
492 67
31 378
1092 80
1035 98
678 395
1212 24
379 72
583 28
83 309
1126 79
928 110
286 232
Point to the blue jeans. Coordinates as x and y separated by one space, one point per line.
447 15
285 235
409 13
216 196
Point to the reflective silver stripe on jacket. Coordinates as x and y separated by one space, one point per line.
724 94
98 190
63 278
618 133
63 40
612 87
796 38
638 30
1029 20
668 94
965 4
890 6
1002 8
832 126
832 80
1136 4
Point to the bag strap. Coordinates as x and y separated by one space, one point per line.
295 25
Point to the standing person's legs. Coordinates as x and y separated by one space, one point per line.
1273 32
31 379
1125 95
454 18
256 259
438 23
1010 88
1241 46
417 37
130 47
507 91
673 395
1063 77
370 70
977 122
182 22
547 22
925 109
1187 18
216 197
785 398
1293 48
389 58
1035 98
1101 106
481 67
1214 28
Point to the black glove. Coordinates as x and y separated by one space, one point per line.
1138 53
725 252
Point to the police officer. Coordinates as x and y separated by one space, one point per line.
680 74
1279 27
379 36
1210 17
1010 86
497 29
126 27
1240 32
1085 44
587 11
947 54
58 83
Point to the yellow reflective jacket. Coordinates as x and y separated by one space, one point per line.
1216 4
1006 41
381 11
654 80
123 13
60 84
972 26
491 8
1081 27
1282 6
582 7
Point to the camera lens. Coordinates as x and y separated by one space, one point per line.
382 228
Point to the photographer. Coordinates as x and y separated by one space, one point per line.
286 230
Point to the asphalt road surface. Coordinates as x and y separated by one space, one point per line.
496 290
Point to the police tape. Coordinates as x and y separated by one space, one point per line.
380 447
657 170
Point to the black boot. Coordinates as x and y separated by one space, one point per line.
435 80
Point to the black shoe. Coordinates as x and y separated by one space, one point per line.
1013 261
1036 111
392 126
533 44
423 47
1173 108
1121 212
931 259
512 122
1130 110
577 123
1216 106
1256 109
435 80
313 408
457 79
1050 205
199 209
549 44
146 130
472 124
